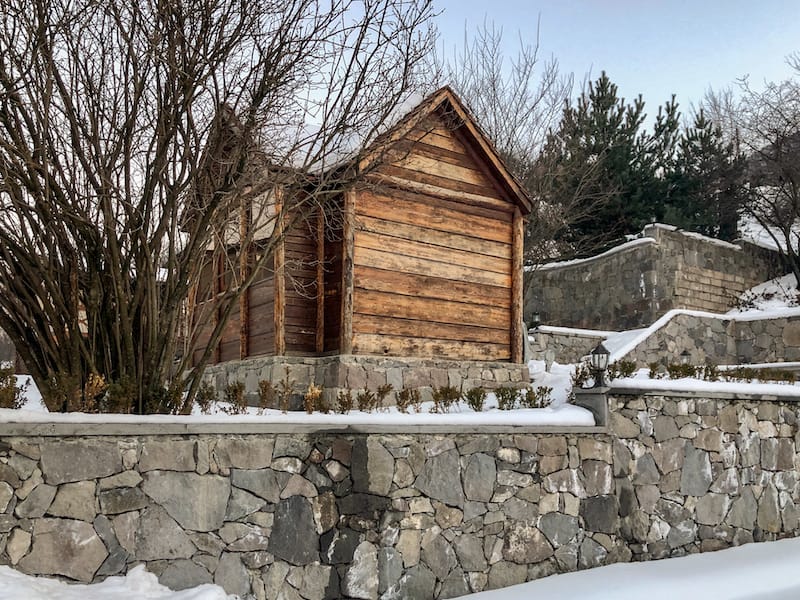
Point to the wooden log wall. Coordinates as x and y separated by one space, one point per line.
430 280
301 286
433 256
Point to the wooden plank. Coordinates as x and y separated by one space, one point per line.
219 281
280 285
369 257
262 344
425 286
437 182
385 345
420 163
471 203
517 350
451 256
229 350
437 152
433 132
348 261
261 295
425 211
245 259
426 309
383 325
319 344
434 237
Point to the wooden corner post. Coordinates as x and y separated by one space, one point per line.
517 241
348 251
245 251
280 278
319 341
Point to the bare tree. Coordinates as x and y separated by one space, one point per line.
765 125
137 137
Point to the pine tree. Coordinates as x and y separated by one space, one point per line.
601 164
706 187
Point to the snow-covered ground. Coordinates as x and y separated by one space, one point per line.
766 571
138 584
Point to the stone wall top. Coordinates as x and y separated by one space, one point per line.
237 427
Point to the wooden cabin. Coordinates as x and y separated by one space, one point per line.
422 258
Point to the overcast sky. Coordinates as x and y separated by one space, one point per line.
652 47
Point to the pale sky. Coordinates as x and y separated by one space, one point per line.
652 47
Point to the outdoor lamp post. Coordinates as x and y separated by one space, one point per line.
599 363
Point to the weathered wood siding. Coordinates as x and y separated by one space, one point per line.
432 260
301 286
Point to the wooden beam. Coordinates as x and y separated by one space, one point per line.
219 279
280 282
244 272
320 332
348 250
517 238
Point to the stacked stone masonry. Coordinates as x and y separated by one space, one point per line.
708 339
634 286
391 515
721 341
355 373
568 347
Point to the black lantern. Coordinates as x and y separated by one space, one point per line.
599 363
536 320
685 356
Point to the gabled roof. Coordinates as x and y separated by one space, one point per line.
445 98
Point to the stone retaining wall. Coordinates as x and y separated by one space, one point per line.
343 372
633 286
568 346
695 474
298 513
721 341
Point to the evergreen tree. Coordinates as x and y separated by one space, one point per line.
601 165
706 186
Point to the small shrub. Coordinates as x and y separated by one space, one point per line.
711 372
382 393
507 398
407 398
366 400
206 396
581 375
654 373
682 371
475 398
443 398
539 397
234 396
165 400
65 393
311 398
284 391
11 394
267 395
620 369
345 401
120 397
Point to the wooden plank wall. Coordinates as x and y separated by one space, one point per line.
424 286
301 286
332 276
433 258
